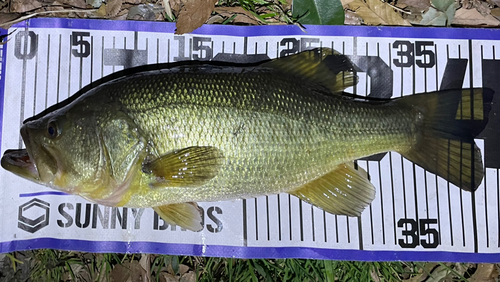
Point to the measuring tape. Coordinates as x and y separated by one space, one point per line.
414 213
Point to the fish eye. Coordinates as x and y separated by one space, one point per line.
52 130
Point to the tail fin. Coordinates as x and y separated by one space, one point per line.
448 122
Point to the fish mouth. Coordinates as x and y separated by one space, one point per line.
20 163
34 163
40 156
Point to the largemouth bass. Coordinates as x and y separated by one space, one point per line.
203 132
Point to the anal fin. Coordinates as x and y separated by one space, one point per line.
185 215
343 191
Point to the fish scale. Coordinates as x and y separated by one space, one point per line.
258 119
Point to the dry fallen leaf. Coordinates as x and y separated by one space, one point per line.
472 18
376 12
215 19
167 277
160 17
467 4
486 272
345 3
73 3
423 273
145 263
352 18
61 12
482 7
124 10
113 7
94 3
417 4
193 14
21 6
183 269
496 13
243 19
81 272
142 12
188 277
3 3
175 6
8 17
129 272
101 12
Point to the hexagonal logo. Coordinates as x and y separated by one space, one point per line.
33 215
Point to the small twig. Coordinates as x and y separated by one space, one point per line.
145 263
3 37
300 26
168 10
399 9
20 19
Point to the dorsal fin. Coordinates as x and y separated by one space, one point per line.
324 66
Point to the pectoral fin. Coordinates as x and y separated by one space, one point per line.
188 167
185 215
343 191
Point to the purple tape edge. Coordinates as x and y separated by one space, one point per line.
2 85
311 30
244 252
44 193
